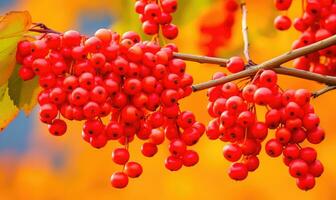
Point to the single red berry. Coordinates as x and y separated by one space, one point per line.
273 148
282 22
177 147
119 180
291 151
133 169
235 64
282 4
306 183
149 149
232 152
251 162
190 158
238 171
58 127
298 168
173 163
308 154
120 156
316 168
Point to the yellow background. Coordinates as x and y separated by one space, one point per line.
86 171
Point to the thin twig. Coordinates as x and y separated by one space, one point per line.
245 31
43 28
201 59
43 31
322 91
272 63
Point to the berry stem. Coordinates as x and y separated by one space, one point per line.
275 63
43 28
245 31
322 91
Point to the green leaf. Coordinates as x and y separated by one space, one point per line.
3 89
8 110
12 28
23 93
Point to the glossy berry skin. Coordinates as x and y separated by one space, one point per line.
119 180
306 183
316 168
58 127
238 171
133 169
298 168
173 163
252 163
273 148
177 147
282 23
235 64
190 158
282 4
232 152
149 149
308 154
120 156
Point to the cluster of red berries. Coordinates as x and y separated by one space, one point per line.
136 84
317 22
219 34
157 14
289 113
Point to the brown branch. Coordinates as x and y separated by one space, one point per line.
201 59
327 80
42 28
245 31
272 63
322 91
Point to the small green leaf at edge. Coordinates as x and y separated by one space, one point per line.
23 93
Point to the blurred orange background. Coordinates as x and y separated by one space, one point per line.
36 165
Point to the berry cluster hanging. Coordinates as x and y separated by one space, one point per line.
289 114
137 84
156 15
317 22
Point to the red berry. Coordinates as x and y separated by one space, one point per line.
173 163
282 4
298 168
238 171
149 149
58 127
235 64
232 152
119 180
306 183
252 163
273 148
308 154
177 147
133 169
190 158
120 156
316 168
282 23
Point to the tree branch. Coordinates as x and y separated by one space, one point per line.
272 63
322 91
201 59
328 80
245 32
